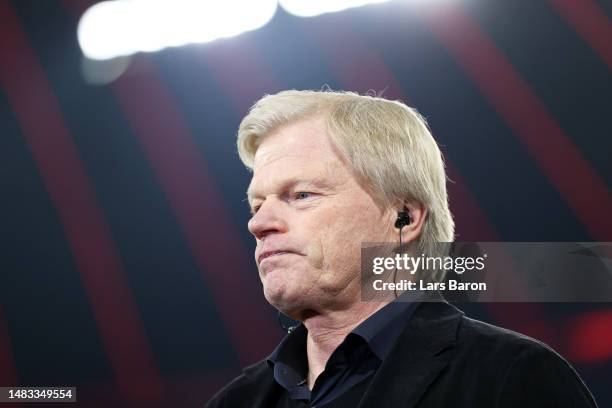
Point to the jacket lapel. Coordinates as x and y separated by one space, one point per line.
422 351
262 389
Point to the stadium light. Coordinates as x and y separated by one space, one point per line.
118 28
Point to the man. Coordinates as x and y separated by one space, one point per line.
333 170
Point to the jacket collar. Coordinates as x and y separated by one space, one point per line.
423 349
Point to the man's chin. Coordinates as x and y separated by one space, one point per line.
288 303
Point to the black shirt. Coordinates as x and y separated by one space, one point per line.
350 368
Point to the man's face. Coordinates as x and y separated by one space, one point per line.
310 217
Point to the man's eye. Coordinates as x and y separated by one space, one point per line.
255 209
302 195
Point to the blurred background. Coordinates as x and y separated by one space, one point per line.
126 266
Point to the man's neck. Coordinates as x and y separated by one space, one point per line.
326 332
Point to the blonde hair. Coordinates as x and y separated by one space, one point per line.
387 143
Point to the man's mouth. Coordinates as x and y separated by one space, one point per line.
269 254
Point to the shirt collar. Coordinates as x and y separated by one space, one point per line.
294 343
380 331
288 360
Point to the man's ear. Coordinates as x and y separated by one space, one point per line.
410 220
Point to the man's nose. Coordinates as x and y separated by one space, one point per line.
268 219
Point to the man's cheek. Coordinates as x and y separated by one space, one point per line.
315 255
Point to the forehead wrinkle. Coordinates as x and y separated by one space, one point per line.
251 191
293 139
265 157
301 152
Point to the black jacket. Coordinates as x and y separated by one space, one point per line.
444 359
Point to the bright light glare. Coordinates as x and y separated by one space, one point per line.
116 28
310 8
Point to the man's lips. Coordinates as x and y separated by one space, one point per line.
268 254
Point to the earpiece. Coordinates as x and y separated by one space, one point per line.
403 219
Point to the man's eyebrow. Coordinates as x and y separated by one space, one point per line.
290 183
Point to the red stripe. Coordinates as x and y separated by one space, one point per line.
590 337
471 223
241 73
578 184
356 66
73 196
214 242
590 22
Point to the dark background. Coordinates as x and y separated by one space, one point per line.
126 266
